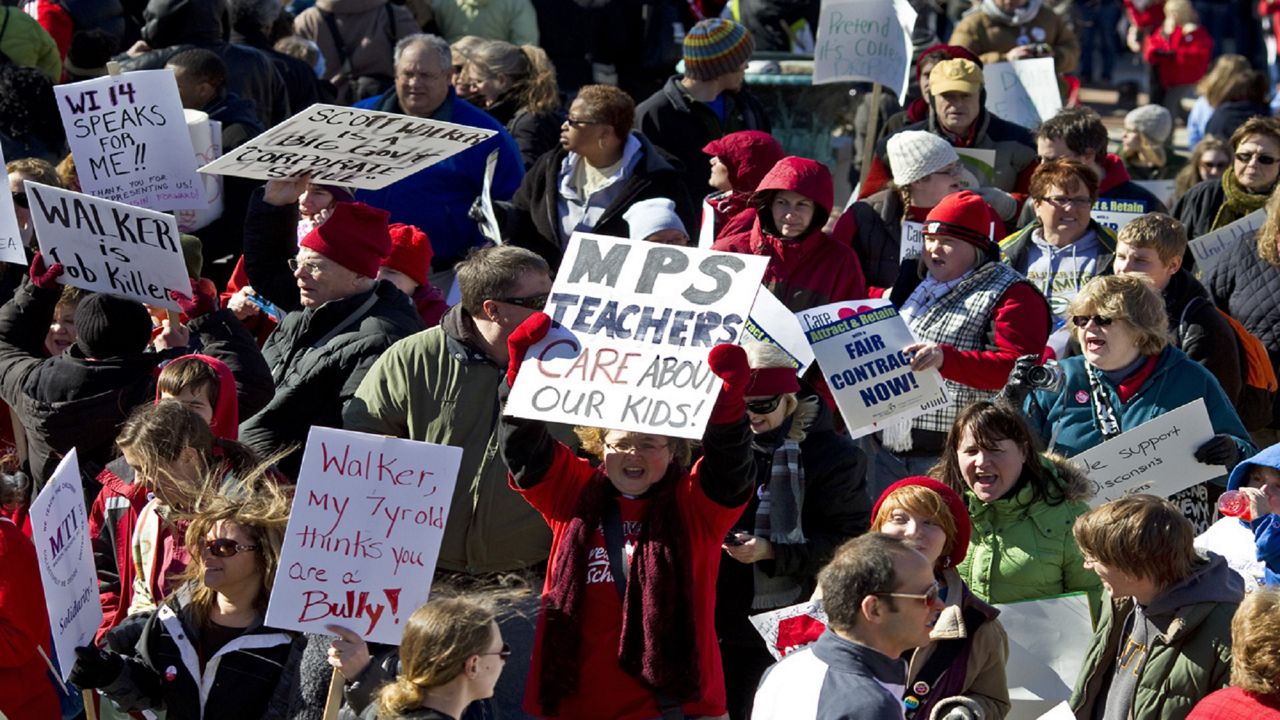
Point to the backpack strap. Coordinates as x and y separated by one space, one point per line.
1182 319
344 57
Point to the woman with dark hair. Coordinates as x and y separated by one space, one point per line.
517 86
30 126
601 168
1243 188
1022 503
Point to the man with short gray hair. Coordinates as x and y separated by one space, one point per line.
438 198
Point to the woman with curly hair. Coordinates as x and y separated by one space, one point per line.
29 122
1254 693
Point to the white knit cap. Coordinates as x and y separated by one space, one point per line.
1154 121
914 154
653 215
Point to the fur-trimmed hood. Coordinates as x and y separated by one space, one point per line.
1075 484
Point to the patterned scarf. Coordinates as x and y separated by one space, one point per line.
1238 201
778 519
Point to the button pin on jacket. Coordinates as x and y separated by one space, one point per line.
170 673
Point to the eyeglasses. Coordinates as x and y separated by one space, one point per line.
1062 201
1082 321
226 547
575 122
1244 158
20 199
310 269
502 654
928 597
533 302
629 448
764 407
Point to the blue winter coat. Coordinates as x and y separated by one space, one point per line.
438 198
1176 381
1266 529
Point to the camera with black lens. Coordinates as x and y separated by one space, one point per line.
1048 377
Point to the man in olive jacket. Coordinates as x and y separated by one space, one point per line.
441 386
1164 640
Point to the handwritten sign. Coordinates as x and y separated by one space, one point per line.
110 247
60 531
206 138
1210 247
1155 458
865 40
489 226
859 345
364 533
1115 214
789 629
636 321
772 322
11 249
1048 640
365 149
129 137
1024 92
911 244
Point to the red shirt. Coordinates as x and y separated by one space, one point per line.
605 690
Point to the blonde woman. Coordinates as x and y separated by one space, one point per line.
1144 145
1255 663
1210 91
517 86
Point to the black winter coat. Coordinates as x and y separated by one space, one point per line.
1201 332
300 80
678 124
534 218
1247 288
836 507
534 133
1198 207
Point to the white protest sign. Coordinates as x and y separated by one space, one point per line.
707 230
129 137
206 138
489 225
1047 643
1024 92
110 247
982 163
865 40
911 244
789 629
365 149
1163 189
1209 248
635 323
859 345
11 249
364 533
772 322
1115 214
60 531
1155 458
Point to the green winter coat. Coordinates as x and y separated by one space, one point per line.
1190 653
27 44
1022 550
512 20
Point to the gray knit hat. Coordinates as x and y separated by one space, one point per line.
1154 121
914 154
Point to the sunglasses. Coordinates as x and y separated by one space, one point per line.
1245 157
1081 321
502 654
574 122
226 547
928 597
533 302
20 199
764 407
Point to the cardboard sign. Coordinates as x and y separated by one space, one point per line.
1115 214
859 345
60 531
982 163
1163 189
364 533
110 247
911 244
129 137
1047 643
635 323
11 250
772 322
865 40
1155 458
365 149
1209 248
1024 92
789 629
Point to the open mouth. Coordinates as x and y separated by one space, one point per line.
1094 344
633 472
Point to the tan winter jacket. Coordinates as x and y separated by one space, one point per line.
990 38
369 41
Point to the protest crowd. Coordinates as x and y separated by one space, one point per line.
606 360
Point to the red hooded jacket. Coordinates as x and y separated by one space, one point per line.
26 690
1181 58
748 155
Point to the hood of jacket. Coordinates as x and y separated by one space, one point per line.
226 412
748 154
1114 174
1211 581
809 178
349 7
176 22
1269 457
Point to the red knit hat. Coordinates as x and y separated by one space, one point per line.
772 381
959 512
355 236
410 252
966 216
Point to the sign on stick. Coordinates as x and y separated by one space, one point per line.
865 40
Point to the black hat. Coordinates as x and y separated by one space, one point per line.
109 326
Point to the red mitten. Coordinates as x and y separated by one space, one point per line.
42 277
203 299
729 362
526 335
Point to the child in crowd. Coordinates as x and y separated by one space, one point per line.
1251 545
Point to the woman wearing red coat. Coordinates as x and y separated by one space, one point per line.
1179 53
26 690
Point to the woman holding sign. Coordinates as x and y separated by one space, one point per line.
205 649
627 628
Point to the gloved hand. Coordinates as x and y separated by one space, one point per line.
967 179
42 277
1017 388
1002 202
729 362
1219 450
15 489
95 668
202 301
526 335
